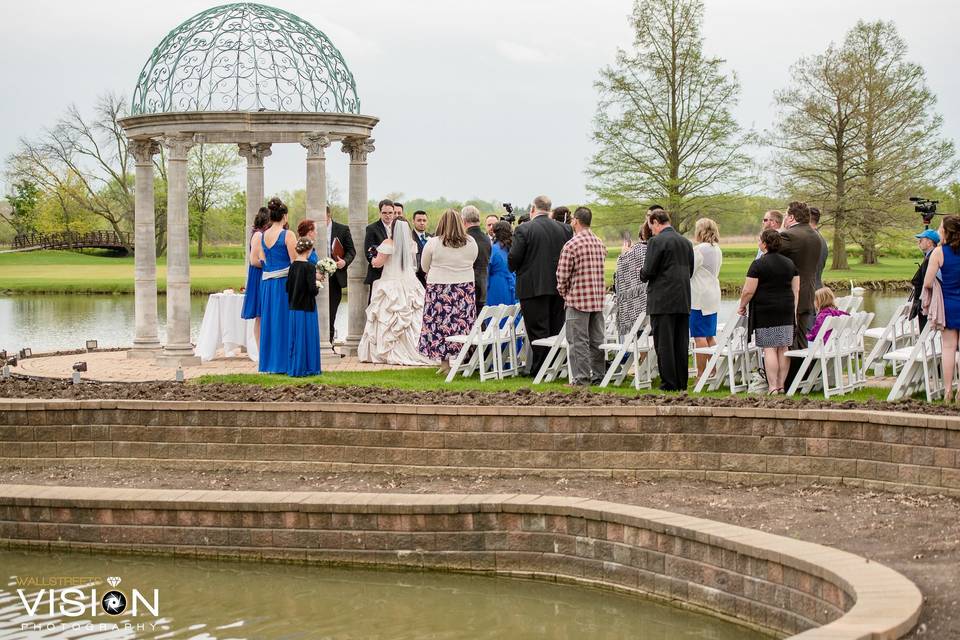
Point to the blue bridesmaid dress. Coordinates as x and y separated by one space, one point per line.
274 309
251 295
501 285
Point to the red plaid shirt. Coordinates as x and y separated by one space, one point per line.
580 272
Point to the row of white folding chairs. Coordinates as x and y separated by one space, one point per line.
921 367
633 354
493 347
900 332
732 360
833 361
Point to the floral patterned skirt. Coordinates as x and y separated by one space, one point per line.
448 310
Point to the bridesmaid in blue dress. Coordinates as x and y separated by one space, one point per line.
251 297
304 324
279 250
501 285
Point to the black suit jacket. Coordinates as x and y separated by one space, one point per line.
342 233
421 274
534 255
376 233
667 271
803 246
481 263
824 254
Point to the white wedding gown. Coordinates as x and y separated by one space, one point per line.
395 313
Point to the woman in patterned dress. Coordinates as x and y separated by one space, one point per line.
630 291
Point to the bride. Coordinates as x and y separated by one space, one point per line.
395 312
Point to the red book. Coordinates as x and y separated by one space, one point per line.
336 250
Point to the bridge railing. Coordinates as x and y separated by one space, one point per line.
73 240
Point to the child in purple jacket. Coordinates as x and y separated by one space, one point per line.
826 307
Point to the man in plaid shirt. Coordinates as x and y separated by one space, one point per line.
580 283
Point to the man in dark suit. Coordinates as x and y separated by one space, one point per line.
824 248
471 220
338 235
376 233
533 256
803 246
421 236
667 272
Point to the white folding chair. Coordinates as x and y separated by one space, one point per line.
479 347
899 332
731 359
634 354
508 351
557 363
922 367
821 365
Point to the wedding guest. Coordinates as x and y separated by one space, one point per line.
304 332
450 307
421 236
533 256
502 282
561 214
376 233
927 241
279 249
826 308
471 221
343 252
667 272
489 222
824 248
771 292
945 260
705 288
630 297
802 245
398 209
395 312
580 284
772 219
307 228
251 295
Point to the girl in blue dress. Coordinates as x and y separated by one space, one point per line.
501 286
304 325
251 297
279 250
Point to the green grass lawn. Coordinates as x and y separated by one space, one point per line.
426 379
223 267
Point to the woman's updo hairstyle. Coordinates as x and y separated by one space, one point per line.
262 219
277 209
771 238
304 245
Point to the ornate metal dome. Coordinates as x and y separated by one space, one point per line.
245 57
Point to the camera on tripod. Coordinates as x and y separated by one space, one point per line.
926 208
509 216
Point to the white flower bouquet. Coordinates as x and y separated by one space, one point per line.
325 267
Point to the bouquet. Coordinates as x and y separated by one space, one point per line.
325 267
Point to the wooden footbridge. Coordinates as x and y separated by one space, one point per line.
110 240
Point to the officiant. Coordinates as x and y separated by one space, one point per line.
343 253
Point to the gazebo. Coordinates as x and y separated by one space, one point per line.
254 76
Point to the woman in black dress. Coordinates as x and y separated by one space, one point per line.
772 290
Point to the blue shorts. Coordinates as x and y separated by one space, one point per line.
702 326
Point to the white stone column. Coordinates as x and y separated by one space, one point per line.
146 342
178 349
255 154
316 144
358 148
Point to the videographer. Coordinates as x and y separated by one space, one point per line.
927 241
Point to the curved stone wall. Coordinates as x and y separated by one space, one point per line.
776 584
875 450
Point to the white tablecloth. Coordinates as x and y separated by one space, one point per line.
222 327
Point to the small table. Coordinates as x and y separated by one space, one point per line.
222 327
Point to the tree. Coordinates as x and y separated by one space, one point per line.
901 147
818 136
664 124
86 160
23 203
209 174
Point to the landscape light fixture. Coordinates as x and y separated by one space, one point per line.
77 368
3 356
25 353
91 345
179 373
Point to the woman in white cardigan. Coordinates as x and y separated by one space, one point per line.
450 306
705 287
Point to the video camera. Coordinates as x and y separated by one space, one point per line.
509 216
926 208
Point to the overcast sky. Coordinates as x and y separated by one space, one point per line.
486 99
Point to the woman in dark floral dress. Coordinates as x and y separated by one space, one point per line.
450 305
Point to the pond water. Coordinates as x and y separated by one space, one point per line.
54 322
210 600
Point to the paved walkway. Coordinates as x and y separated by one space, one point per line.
115 366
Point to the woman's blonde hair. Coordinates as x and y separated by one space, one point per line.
450 230
707 231
823 298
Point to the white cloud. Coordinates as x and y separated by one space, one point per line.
521 53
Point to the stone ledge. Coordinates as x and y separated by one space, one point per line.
762 580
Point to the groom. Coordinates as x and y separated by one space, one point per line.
377 232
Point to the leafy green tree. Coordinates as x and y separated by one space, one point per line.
23 204
209 184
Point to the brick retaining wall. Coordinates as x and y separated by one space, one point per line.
773 583
871 449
